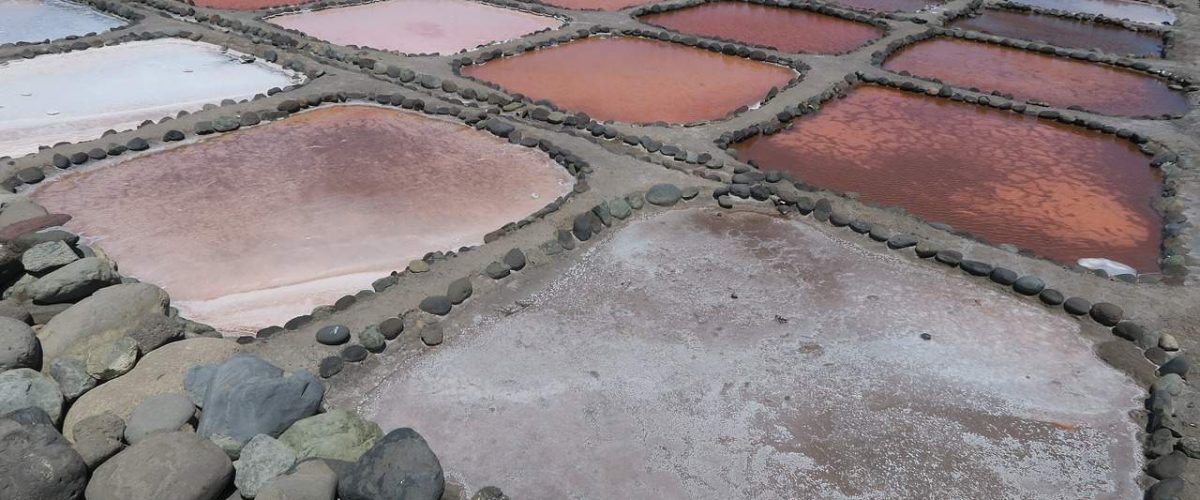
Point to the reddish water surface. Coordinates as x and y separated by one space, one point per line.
417 26
1063 192
609 5
1063 32
635 79
246 4
789 30
252 228
1030 75
1141 12
888 5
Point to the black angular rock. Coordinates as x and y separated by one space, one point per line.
399 467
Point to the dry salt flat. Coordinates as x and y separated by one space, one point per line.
79 95
38 20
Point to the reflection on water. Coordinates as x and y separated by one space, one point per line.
1118 9
38 20
1030 75
635 79
1061 191
789 30
252 228
1063 32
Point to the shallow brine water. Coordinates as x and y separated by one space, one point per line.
254 227
79 95
38 20
417 26
788 30
1117 9
636 374
1063 32
1061 191
608 5
1026 74
635 79
888 5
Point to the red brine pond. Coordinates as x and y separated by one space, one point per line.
417 26
1028 75
1063 32
1063 192
254 227
888 5
635 79
784 29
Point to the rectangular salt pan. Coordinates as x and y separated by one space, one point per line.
1139 12
40 20
78 95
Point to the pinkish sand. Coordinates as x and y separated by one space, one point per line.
417 26
635 374
251 228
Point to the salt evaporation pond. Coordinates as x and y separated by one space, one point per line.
254 227
1064 192
635 79
79 95
246 4
1027 74
1063 32
417 26
1140 12
607 5
888 5
39 20
788 30
645 378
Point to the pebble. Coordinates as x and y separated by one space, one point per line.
663 195
1029 285
1077 306
418 266
1168 343
515 259
333 335
391 328
1051 297
354 353
372 340
330 366
496 270
1106 314
459 290
436 304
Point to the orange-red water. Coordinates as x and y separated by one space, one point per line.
788 30
1063 32
1030 75
1063 192
635 79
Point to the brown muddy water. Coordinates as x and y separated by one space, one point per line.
635 80
784 29
254 227
635 373
1063 32
1064 192
1058 81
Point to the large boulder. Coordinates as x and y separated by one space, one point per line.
74 281
160 372
399 467
246 396
98 438
36 462
174 465
48 255
338 434
310 480
26 388
19 346
260 461
161 413
107 315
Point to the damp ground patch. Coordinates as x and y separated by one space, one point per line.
635 80
701 354
79 95
40 20
1139 12
1029 75
254 227
784 29
1063 32
1063 192
417 26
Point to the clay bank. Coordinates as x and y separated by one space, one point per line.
79 95
635 79
734 355
417 26
254 227
39 20
788 30
1063 192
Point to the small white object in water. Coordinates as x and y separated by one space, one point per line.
52 113
1112 267
534 196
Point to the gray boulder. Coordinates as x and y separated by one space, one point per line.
74 281
36 462
261 460
19 346
112 359
337 435
107 315
159 413
48 255
310 480
174 465
399 467
247 396
98 438
25 388
72 377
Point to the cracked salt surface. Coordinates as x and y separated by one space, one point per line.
636 375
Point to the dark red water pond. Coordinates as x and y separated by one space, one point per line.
788 30
635 79
887 5
1061 191
1030 75
1063 32
609 5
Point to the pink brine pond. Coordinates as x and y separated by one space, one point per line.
788 30
255 227
417 26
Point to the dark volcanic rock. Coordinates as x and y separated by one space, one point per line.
1029 285
1106 314
1077 306
436 304
333 335
515 259
399 467
36 461
459 290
